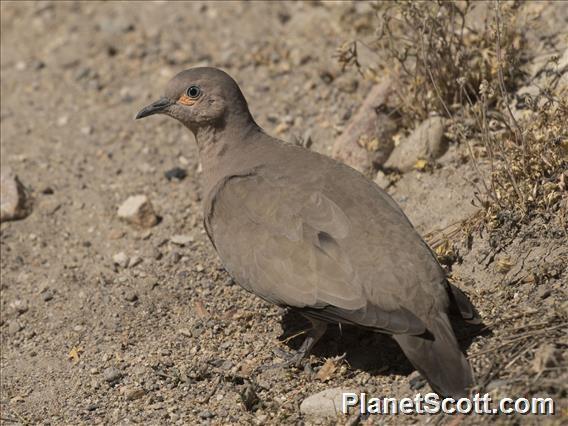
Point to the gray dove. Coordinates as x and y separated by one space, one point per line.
303 231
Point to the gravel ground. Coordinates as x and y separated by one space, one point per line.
161 334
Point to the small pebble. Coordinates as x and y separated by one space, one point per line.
382 180
62 121
206 414
543 292
86 130
48 190
176 257
326 403
20 306
134 260
116 234
181 240
185 332
176 173
130 296
121 259
112 375
47 295
14 327
14 203
138 210
136 393
157 254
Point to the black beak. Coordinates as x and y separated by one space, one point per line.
154 108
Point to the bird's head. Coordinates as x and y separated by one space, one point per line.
201 97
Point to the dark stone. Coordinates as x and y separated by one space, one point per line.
112 375
206 415
176 173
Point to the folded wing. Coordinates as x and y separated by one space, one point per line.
327 255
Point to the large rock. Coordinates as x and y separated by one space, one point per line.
13 197
327 403
427 142
138 210
367 139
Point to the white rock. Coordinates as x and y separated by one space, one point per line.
138 210
327 403
427 142
121 259
382 180
62 121
86 130
146 168
20 306
13 200
181 240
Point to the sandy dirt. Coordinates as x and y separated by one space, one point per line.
172 339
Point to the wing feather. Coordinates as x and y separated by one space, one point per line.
315 246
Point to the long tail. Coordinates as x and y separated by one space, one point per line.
439 359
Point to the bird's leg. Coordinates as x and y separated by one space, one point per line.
313 335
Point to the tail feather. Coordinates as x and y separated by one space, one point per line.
460 305
440 359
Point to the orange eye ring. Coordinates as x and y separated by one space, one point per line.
186 100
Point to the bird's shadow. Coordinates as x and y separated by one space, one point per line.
364 349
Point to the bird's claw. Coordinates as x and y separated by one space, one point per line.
291 359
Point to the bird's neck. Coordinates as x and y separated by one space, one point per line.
218 146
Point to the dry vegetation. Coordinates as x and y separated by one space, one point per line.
465 73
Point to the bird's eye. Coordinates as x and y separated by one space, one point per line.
193 92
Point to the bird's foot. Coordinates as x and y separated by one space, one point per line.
291 359
296 359
416 381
